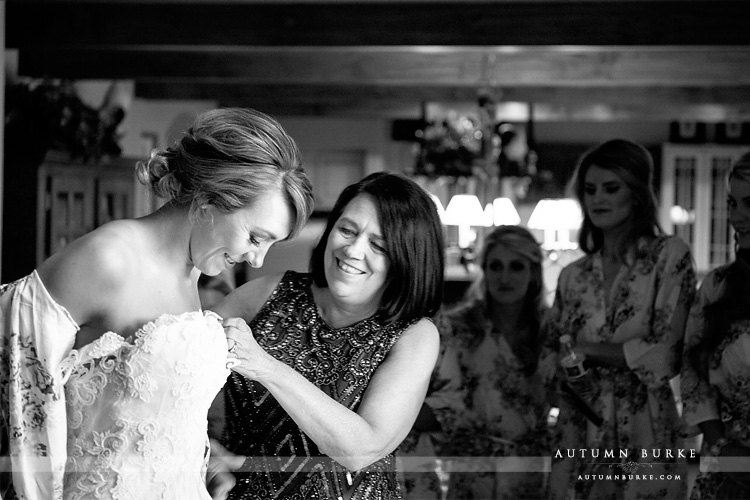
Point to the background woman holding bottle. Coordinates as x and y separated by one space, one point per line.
625 304
716 368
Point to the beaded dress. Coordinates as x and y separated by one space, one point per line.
283 462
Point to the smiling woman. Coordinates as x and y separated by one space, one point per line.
221 240
336 367
120 305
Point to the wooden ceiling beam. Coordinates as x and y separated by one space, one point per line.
402 66
40 24
550 103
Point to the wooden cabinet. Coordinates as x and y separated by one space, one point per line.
74 198
692 201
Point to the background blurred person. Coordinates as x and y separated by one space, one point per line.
491 390
625 304
716 369
334 372
117 315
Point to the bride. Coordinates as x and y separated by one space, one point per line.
116 318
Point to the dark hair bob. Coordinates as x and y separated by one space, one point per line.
413 239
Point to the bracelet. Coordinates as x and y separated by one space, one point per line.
720 443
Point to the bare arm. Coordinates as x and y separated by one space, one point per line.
389 406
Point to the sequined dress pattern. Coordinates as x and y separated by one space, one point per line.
283 462
137 410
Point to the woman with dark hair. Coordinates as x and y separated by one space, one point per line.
625 304
336 367
110 332
492 358
716 368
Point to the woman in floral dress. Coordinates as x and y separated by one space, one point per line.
625 303
492 362
716 368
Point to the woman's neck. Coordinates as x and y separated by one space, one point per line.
170 231
505 318
338 313
612 243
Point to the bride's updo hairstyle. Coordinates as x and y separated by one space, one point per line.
229 158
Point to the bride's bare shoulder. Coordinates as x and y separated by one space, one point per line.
93 267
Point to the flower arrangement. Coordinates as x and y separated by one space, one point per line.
450 146
51 114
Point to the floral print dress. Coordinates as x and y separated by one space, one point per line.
646 312
496 429
37 335
725 393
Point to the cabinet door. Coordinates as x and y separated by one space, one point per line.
71 208
693 200
114 198
73 199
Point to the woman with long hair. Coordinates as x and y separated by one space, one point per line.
624 304
491 361
716 368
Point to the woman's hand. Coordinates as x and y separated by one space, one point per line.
219 477
245 356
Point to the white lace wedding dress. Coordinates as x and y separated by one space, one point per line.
137 410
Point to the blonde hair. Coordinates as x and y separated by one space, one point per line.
230 158
519 240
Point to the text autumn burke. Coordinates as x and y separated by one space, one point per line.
652 453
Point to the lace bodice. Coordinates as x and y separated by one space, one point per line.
137 410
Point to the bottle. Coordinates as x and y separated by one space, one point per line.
579 377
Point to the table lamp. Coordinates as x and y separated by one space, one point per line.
556 217
464 211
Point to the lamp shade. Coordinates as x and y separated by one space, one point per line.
505 213
464 210
556 214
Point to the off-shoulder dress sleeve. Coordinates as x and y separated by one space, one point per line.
37 335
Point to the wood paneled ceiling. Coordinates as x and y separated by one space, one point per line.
604 60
